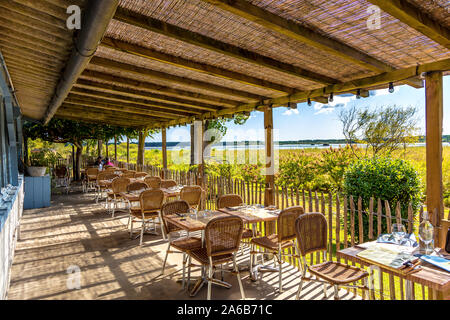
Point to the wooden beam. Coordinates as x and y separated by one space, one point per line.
107 105
269 198
323 100
227 49
433 119
133 69
102 114
345 87
156 88
192 65
416 19
122 123
153 105
187 82
143 94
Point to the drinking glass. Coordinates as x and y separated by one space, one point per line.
398 232
426 233
193 213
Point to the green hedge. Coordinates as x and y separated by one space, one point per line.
385 178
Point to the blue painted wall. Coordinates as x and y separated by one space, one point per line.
37 192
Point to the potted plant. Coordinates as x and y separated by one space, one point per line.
38 163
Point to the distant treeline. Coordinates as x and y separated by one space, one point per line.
445 138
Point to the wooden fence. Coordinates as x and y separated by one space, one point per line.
345 216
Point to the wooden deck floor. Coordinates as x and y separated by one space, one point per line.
77 233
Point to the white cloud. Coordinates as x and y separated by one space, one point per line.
381 92
338 102
290 112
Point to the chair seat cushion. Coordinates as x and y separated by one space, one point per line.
337 273
187 243
111 195
271 242
201 256
136 212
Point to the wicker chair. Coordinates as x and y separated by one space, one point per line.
137 186
129 174
222 239
183 244
168 184
192 195
283 239
140 175
153 182
118 186
90 179
311 232
234 200
149 209
104 183
61 176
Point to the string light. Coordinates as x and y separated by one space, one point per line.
391 87
358 93
309 101
331 97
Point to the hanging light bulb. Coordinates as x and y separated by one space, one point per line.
330 99
309 102
391 87
358 93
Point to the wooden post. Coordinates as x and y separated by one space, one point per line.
128 151
164 151
433 118
141 149
198 150
107 149
115 148
99 147
270 159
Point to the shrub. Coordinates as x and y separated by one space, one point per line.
297 170
334 162
389 179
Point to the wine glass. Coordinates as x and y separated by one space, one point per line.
193 213
398 232
426 232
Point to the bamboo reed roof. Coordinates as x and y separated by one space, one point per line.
168 62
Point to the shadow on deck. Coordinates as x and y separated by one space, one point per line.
75 232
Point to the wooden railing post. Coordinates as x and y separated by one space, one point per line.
270 159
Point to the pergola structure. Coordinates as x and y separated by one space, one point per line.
163 63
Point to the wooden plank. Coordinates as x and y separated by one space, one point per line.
388 216
161 27
379 213
416 19
270 157
371 218
352 220
192 65
433 119
360 221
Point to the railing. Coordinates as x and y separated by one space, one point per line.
345 216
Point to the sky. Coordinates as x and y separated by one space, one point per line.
320 121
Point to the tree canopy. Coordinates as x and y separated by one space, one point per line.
382 129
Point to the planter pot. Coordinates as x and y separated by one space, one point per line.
36 171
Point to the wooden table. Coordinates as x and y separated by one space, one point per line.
134 196
431 276
197 224
253 217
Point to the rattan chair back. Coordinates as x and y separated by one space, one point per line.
311 231
173 207
61 172
137 186
140 174
91 171
129 175
223 235
120 185
192 195
153 182
105 175
168 184
286 223
229 200
151 200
